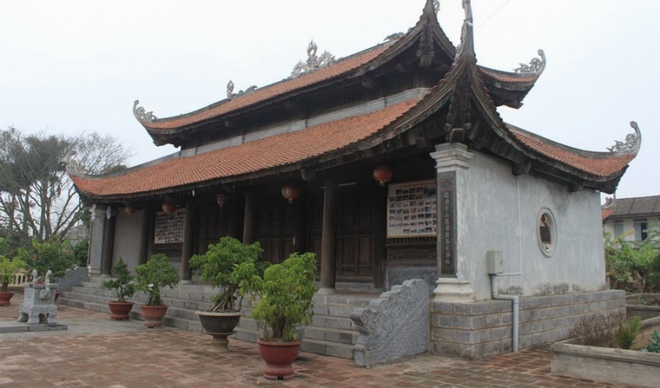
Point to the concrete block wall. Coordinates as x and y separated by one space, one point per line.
475 330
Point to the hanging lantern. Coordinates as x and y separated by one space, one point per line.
382 174
169 207
221 199
290 192
129 209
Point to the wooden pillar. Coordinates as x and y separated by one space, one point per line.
299 243
188 246
147 231
108 242
329 234
250 218
380 235
233 218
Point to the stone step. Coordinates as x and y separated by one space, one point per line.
332 332
327 348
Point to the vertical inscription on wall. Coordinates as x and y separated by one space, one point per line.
447 221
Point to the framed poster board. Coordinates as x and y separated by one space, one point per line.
412 209
168 228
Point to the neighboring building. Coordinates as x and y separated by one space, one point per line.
631 218
395 164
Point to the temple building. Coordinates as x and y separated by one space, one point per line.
390 164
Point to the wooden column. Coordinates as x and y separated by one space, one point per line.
233 217
250 218
108 242
188 246
380 235
329 234
299 243
147 232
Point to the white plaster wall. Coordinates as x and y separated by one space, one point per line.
499 211
128 233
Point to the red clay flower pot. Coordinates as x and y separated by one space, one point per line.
5 298
153 315
119 310
279 357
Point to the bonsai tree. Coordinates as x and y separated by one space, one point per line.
9 268
286 291
122 283
227 265
155 274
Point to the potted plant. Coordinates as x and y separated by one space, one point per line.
151 276
226 265
124 288
8 269
285 293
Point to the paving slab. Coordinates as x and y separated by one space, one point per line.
98 352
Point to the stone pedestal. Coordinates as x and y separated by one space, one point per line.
453 290
39 301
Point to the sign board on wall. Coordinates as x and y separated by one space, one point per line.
412 209
168 228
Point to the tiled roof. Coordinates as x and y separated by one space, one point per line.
241 160
635 206
274 90
601 164
509 77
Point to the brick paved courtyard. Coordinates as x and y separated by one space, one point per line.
98 352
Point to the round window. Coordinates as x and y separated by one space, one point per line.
546 232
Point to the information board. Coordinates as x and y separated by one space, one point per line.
412 209
169 227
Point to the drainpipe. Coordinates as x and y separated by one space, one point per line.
494 266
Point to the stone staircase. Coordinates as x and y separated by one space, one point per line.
331 333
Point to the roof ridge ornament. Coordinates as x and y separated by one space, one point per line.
436 6
230 90
141 114
631 144
72 166
536 65
314 62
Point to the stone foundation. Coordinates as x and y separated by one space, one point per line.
475 330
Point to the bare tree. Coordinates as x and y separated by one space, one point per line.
37 198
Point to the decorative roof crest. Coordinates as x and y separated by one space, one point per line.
394 36
230 90
536 65
631 144
436 5
141 114
314 62
72 165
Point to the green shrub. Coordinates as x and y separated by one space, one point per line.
627 332
122 283
55 254
654 345
155 274
227 265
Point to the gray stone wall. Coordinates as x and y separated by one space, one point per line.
475 330
394 326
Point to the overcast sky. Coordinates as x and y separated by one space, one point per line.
75 66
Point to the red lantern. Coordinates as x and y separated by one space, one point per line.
169 207
290 192
382 174
129 209
221 199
